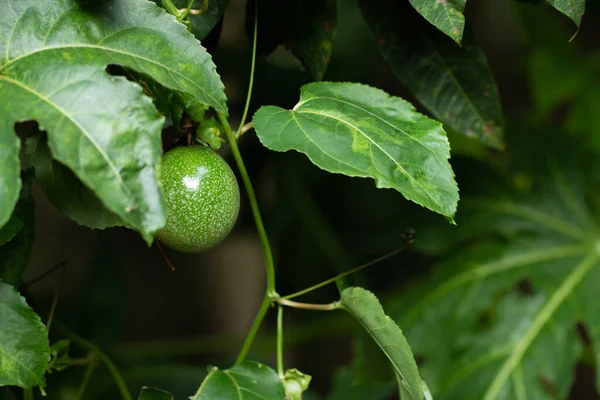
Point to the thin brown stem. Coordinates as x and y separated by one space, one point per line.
165 256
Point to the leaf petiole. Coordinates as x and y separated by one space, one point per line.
308 306
245 128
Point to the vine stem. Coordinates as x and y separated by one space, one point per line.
231 137
262 233
280 341
91 347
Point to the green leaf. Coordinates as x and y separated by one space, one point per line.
149 393
446 15
24 347
54 55
246 381
510 305
573 9
311 39
365 307
357 130
370 363
10 230
64 190
14 255
455 84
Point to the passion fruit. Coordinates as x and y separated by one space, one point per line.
203 198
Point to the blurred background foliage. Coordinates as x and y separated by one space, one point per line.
163 328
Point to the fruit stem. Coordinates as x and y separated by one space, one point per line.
269 263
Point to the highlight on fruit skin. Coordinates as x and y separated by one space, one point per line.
202 197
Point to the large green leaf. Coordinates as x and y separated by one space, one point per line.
14 254
508 307
52 67
454 83
357 130
149 393
446 15
246 381
64 190
573 9
365 307
24 346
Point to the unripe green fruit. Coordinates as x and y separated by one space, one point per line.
203 198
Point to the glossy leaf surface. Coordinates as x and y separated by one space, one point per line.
246 381
360 131
365 307
52 66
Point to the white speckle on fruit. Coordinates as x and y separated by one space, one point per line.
191 182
